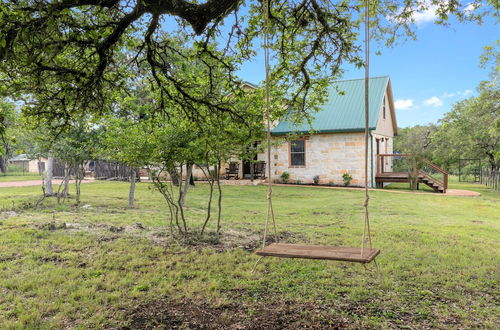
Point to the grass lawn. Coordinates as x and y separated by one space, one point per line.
62 266
19 176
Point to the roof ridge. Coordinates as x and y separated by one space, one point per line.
361 78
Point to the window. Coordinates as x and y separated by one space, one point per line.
383 108
298 153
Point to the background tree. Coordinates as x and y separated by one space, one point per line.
416 141
124 139
472 128
9 123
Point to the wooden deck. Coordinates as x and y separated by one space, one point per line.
392 177
426 172
380 178
350 254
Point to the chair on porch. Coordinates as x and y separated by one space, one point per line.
260 170
232 171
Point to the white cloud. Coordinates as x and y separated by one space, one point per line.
425 16
434 102
471 7
403 104
447 95
459 94
466 92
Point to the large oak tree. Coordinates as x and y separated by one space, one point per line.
68 56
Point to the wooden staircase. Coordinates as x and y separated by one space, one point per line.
436 185
427 175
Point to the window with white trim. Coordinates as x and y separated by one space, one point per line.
298 153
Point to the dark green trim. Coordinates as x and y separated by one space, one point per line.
323 131
371 157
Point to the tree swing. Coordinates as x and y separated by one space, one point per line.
363 254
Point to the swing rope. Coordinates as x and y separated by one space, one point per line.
372 253
366 228
270 211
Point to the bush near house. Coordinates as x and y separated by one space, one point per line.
347 178
285 176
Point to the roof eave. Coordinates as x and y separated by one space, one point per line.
325 131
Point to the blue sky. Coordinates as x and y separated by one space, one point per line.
428 75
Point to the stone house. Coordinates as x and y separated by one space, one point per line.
334 142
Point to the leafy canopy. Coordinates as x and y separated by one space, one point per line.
70 56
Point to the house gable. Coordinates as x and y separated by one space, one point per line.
386 121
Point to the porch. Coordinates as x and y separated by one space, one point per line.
404 167
245 170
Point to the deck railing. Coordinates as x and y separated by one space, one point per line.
407 163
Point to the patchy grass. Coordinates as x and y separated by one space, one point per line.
93 266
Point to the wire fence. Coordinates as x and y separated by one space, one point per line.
491 178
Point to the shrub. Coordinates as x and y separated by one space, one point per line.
347 178
285 176
298 181
316 179
330 183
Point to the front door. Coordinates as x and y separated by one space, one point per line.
249 166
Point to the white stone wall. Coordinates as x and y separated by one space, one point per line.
327 155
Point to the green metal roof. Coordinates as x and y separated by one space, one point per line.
343 113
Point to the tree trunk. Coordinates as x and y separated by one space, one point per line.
414 175
50 173
219 202
210 180
137 175
131 193
67 170
180 208
174 176
78 180
64 185
186 184
3 165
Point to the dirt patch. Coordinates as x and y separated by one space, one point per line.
8 214
191 315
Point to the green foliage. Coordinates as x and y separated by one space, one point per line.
71 58
285 176
347 178
416 140
9 122
472 128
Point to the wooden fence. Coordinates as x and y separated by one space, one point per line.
491 178
58 169
106 170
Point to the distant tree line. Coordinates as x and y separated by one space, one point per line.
471 130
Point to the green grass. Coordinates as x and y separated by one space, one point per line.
18 176
439 260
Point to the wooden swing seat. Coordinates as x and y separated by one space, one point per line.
350 254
